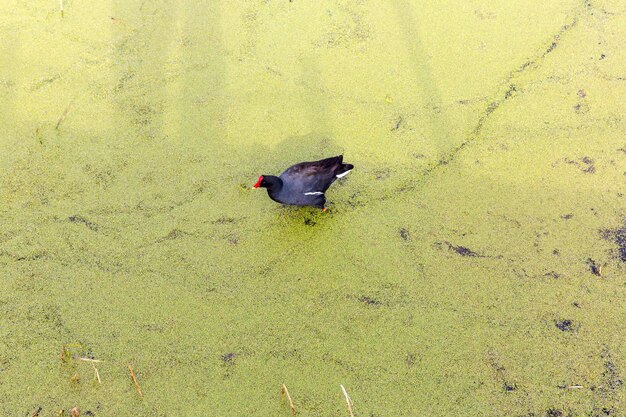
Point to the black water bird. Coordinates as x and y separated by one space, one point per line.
304 184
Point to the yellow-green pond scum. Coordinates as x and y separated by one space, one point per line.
472 264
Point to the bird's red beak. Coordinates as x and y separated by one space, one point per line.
258 183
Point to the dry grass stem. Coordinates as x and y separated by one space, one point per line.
65 354
97 374
348 400
65 112
132 374
79 358
285 391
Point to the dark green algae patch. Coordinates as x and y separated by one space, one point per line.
472 264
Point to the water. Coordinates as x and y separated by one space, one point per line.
452 276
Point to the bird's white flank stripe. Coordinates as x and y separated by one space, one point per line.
314 193
344 174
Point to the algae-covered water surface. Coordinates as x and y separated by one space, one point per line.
472 264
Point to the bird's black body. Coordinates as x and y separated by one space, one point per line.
304 184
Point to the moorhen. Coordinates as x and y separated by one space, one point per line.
304 184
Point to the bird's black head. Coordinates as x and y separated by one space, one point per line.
268 181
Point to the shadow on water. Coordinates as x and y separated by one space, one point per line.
170 73
316 103
309 147
211 120
318 143
426 82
